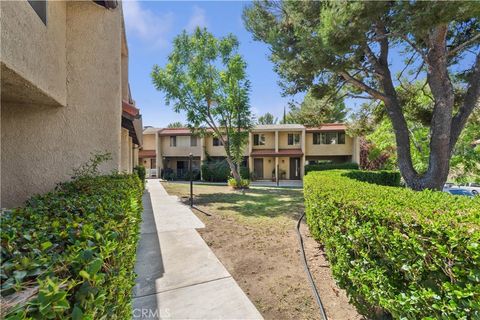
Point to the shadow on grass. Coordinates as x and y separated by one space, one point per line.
256 202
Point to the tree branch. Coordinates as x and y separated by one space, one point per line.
361 85
463 45
471 101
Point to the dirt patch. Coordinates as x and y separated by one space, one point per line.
263 256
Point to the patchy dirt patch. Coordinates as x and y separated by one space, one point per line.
259 247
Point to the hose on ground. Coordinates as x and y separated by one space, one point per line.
307 270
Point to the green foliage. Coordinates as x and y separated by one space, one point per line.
77 246
219 171
141 173
414 255
243 184
205 77
383 178
91 167
176 124
314 112
267 118
330 166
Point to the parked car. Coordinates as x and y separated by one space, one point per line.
460 192
449 185
473 187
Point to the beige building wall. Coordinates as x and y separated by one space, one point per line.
35 52
269 140
148 142
328 149
283 140
183 148
74 60
213 151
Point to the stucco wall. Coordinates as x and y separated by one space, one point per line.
148 142
41 145
37 52
328 149
213 151
269 140
182 149
283 140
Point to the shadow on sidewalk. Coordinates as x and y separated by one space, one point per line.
148 267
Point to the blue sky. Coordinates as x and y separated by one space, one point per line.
151 27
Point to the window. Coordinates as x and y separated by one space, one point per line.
193 141
217 142
316 138
173 141
259 139
329 138
293 139
40 8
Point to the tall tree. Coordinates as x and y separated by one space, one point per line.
176 124
267 118
206 78
315 111
337 46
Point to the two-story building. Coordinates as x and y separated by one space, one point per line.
64 93
273 151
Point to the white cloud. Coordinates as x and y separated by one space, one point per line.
146 24
198 19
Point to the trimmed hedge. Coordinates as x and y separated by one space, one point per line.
74 250
383 178
330 166
141 173
413 255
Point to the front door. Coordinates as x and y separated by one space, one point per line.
258 168
294 168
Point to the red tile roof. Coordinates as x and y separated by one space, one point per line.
147 154
130 109
178 131
328 127
280 153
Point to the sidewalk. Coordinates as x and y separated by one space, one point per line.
178 276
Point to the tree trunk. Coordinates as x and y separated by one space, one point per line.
233 168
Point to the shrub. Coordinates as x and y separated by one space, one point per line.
219 171
330 166
411 254
140 172
244 183
73 249
383 178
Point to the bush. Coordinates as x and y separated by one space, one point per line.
244 183
411 254
330 166
140 172
383 178
219 171
73 249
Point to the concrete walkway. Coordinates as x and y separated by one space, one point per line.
178 276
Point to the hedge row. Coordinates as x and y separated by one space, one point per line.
219 171
412 255
383 178
73 250
330 166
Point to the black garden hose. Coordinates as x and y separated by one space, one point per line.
307 270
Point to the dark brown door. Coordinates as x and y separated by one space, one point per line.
258 168
294 168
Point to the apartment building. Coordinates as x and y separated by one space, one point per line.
64 93
273 151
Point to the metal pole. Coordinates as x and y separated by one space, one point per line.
191 181
278 175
